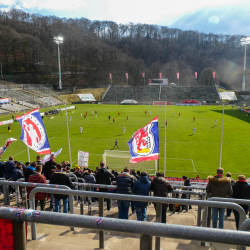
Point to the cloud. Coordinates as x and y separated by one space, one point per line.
231 20
52 5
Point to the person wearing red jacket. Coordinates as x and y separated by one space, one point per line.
38 178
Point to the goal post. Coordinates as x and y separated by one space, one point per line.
118 160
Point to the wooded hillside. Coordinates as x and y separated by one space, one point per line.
97 48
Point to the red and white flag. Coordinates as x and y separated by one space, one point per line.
110 76
213 74
127 75
160 75
195 74
178 75
143 74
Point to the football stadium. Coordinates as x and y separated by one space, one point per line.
102 161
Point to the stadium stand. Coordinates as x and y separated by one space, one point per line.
148 94
12 107
49 101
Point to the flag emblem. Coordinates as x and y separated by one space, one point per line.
33 132
144 144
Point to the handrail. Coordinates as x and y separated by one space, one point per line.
234 200
128 226
145 199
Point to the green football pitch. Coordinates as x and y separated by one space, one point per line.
187 153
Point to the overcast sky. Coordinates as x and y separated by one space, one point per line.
217 16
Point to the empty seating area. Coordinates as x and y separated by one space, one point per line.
12 107
148 94
50 101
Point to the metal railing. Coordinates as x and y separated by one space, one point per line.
145 229
157 200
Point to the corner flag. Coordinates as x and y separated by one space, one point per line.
33 132
144 144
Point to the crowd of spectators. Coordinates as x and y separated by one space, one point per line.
128 182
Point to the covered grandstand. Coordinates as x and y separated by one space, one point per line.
149 94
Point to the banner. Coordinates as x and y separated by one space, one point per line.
144 144
47 157
6 122
127 75
143 75
160 75
4 100
195 74
8 142
178 75
83 159
86 97
110 76
33 132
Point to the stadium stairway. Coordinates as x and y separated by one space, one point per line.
52 237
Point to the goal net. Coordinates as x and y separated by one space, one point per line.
118 160
158 103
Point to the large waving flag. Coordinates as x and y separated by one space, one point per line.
144 144
33 132
8 142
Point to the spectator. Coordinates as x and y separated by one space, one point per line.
61 178
161 187
219 186
18 173
30 171
229 175
77 172
1 169
96 170
90 178
138 172
9 166
104 176
135 174
51 172
48 165
38 178
124 186
38 161
241 190
184 196
141 187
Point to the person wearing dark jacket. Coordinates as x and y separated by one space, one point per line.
104 176
9 166
48 165
17 173
161 187
1 169
51 172
184 196
90 178
61 178
241 190
141 187
38 161
124 186
38 178
30 171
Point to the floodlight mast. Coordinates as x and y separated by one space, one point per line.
59 40
245 42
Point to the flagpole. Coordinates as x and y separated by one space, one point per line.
165 145
28 150
68 135
221 135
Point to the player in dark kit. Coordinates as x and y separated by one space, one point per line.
116 144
